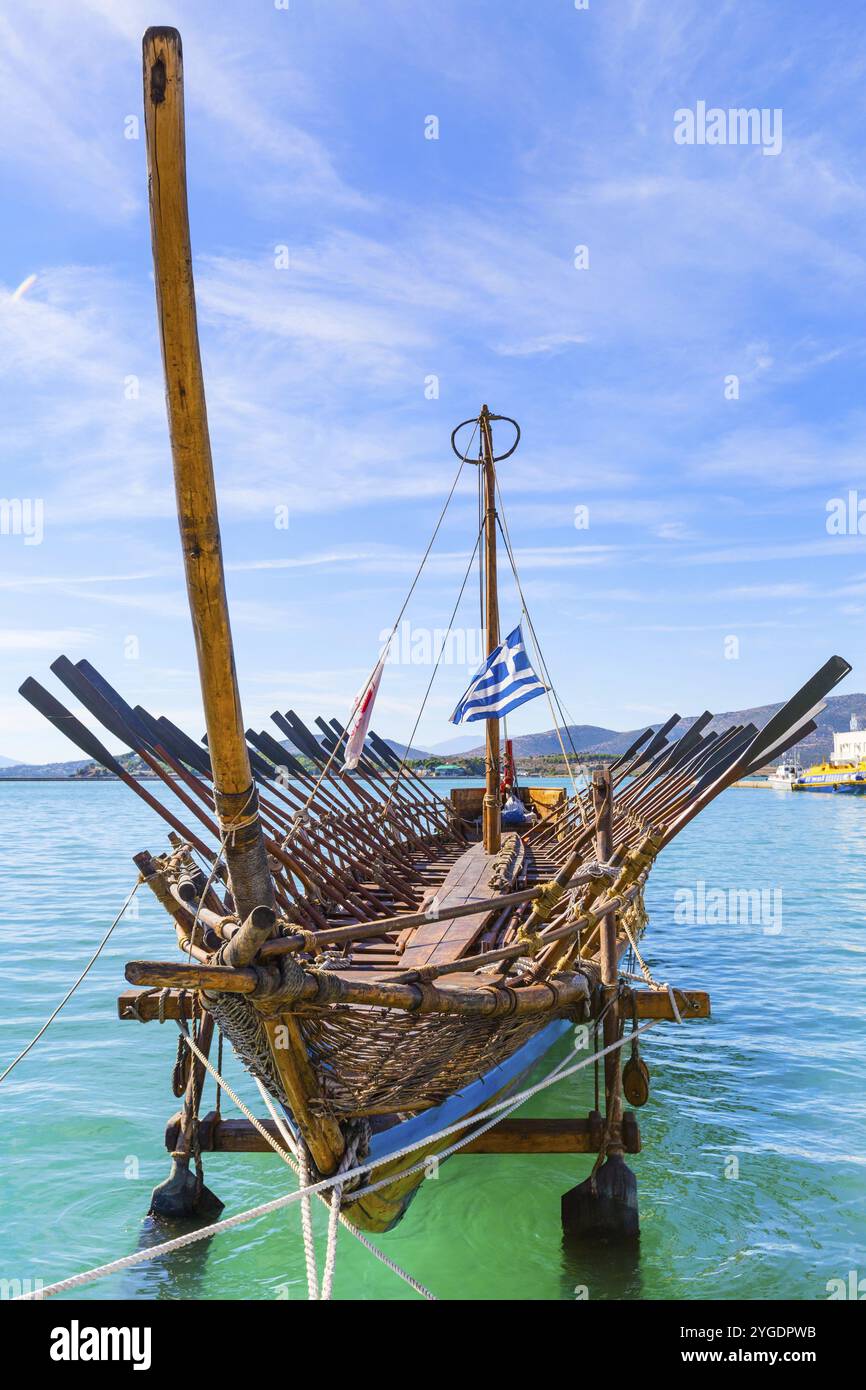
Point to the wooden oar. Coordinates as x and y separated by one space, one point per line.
785 728
347 835
108 705
57 714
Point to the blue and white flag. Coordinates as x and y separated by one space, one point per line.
505 681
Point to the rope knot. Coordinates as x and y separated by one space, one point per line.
311 945
546 902
531 941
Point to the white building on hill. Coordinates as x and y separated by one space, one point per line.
850 746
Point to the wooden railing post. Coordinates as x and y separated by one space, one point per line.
602 801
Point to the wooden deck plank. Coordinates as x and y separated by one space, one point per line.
438 942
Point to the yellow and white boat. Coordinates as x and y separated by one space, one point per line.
848 779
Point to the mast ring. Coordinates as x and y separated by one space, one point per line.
497 458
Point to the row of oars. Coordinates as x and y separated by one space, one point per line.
662 787
577 812
348 845
674 785
657 779
666 786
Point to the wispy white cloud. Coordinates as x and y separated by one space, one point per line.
453 260
41 640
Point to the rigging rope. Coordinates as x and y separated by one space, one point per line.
435 669
335 750
69 993
548 683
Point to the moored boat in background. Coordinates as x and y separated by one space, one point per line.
841 779
784 776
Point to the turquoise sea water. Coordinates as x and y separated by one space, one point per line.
753 1172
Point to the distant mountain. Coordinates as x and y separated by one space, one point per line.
34 770
588 738
836 718
9 762
585 738
455 746
404 751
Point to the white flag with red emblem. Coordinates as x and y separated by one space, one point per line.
362 710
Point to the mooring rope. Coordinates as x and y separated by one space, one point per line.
648 975
295 1156
301 1165
69 993
560 1073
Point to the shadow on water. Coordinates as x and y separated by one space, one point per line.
593 1269
180 1274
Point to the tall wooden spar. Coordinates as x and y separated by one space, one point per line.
491 815
236 799
234 791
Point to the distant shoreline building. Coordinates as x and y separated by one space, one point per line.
850 746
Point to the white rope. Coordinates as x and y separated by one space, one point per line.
302 1168
307 1225
331 1243
677 1015
647 975
292 1156
69 993
560 1073
593 869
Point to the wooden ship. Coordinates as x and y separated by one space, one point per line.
386 962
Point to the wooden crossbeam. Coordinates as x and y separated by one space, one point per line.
143 1005
652 1003
511 1136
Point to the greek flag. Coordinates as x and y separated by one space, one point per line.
505 681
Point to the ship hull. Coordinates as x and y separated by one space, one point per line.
383 1210
833 788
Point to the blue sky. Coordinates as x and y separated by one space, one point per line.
410 258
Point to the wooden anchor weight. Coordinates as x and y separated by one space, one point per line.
184 1194
635 1073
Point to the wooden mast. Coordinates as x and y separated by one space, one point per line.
491 816
234 790
235 798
